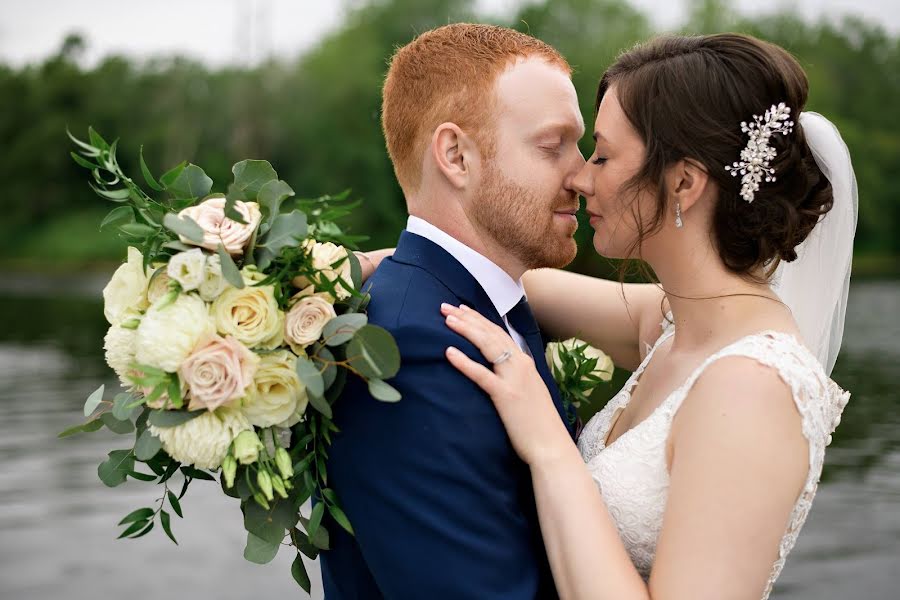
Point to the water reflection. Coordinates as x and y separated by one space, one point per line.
58 522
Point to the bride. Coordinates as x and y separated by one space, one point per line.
706 463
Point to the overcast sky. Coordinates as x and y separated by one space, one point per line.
219 31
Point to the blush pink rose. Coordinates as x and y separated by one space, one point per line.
218 371
217 228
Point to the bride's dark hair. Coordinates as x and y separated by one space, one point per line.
686 97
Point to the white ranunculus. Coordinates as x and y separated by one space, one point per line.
188 268
277 396
203 441
168 333
213 281
119 344
125 295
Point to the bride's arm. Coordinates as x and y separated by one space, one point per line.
738 461
615 318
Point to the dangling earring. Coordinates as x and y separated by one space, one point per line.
678 222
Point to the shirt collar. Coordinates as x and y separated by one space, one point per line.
503 291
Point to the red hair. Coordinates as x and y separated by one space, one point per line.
447 75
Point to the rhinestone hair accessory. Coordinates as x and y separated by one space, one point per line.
755 157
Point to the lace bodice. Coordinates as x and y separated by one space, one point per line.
632 472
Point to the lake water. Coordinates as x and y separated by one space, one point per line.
58 521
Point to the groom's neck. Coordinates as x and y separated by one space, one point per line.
464 231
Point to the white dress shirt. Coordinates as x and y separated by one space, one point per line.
503 291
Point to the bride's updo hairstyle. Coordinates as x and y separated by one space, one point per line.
686 97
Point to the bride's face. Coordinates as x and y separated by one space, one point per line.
614 210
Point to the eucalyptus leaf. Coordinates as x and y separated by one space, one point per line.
171 418
121 406
260 551
355 270
311 377
374 353
192 182
383 391
92 425
83 162
97 140
115 425
298 571
133 528
184 226
167 178
118 215
229 270
287 230
178 245
114 469
342 328
329 370
249 178
93 401
321 404
147 446
272 194
338 515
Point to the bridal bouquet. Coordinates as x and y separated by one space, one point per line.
234 324
578 368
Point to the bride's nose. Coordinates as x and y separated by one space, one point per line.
582 183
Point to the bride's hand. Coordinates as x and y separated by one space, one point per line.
515 386
369 261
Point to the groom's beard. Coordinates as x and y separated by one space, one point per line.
523 223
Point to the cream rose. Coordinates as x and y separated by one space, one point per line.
203 441
277 397
119 344
218 371
188 268
323 257
213 282
250 314
125 295
219 229
306 319
167 334
603 370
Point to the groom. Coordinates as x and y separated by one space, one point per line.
482 125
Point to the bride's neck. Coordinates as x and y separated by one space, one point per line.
712 305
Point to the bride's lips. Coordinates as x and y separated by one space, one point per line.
594 217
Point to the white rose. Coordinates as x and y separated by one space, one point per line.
119 344
219 229
213 281
306 319
126 293
323 257
603 370
188 268
203 441
250 314
167 334
277 397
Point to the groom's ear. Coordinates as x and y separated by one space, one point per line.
687 181
453 153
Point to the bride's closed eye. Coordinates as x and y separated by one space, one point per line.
599 160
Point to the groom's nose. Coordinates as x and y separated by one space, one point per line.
574 168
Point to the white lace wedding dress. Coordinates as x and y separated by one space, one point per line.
632 472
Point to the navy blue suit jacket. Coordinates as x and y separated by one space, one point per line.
441 505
